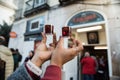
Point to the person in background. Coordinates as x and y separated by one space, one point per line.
30 56
58 57
6 55
102 68
97 66
88 67
12 50
96 62
17 57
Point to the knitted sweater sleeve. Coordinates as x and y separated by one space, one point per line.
20 74
52 73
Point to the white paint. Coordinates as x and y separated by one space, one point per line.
53 2
26 48
70 69
18 42
109 50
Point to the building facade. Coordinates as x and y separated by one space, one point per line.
7 11
77 14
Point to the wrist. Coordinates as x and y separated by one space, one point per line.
56 64
36 61
32 68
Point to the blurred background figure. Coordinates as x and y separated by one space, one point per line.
6 57
102 70
17 57
88 67
97 66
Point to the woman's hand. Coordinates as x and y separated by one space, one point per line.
42 53
62 55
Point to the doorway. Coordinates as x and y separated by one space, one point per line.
102 71
90 28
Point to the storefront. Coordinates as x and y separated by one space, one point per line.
90 27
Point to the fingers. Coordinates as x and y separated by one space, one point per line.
76 48
44 38
60 42
79 45
52 45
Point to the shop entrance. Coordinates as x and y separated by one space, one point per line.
102 72
95 42
91 29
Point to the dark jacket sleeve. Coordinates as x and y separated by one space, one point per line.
20 74
52 73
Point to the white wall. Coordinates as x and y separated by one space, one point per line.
115 1
53 2
70 69
19 28
18 42
97 1
83 37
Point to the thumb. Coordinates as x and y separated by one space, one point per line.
61 41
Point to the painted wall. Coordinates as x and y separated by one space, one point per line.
114 29
83 37
53 2
97 1
18 42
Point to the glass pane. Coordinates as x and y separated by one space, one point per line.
29 4
35 25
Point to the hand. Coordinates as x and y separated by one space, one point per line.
42 53
61 55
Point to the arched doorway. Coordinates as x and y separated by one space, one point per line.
90 28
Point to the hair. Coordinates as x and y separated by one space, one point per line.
87 54
12 49
17 50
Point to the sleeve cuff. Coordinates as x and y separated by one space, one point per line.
33 68
52 73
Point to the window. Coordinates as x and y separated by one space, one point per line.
29 4
39 2
35 25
